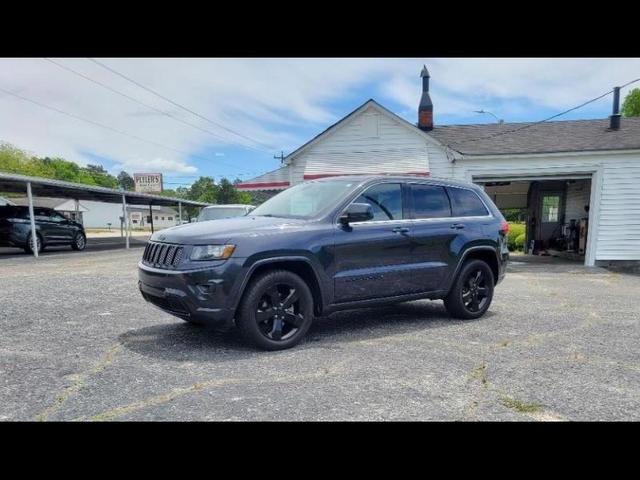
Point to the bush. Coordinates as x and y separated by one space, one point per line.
516 230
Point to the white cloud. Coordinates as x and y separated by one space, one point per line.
156 164
265 99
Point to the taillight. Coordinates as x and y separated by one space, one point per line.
504 227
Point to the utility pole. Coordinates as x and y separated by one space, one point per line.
281 157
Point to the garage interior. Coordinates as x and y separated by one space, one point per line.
554 210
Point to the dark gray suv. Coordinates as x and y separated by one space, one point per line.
326 245
52 228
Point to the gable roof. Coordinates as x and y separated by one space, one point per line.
369 103
546 137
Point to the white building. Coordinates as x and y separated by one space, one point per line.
553 169
94 214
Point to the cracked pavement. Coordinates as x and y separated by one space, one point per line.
78 342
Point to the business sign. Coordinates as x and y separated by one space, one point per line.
148 182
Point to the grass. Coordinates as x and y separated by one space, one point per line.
521 407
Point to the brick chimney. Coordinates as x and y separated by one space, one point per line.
425 110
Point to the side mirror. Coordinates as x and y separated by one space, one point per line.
357 212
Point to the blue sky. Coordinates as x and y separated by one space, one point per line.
251 109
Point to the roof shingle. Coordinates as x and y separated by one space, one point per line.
547 137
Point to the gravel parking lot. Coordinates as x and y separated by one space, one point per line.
78 343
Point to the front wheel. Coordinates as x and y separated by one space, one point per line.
276 311
472 292
79 241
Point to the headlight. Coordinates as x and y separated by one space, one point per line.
212 252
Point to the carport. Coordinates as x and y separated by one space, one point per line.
36 186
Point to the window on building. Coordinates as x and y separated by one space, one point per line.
162 218
430 201
466 203
385 199
156 217
169 218
550 208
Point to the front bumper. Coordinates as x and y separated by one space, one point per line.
202 296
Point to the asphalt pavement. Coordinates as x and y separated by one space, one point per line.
78 342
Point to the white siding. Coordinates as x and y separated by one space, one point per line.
353 148
619 226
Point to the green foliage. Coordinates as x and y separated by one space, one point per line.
519 242
14 160
515 231
631 104
514 214
126 182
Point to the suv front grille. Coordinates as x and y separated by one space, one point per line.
162 255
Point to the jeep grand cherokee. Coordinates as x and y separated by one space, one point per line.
326 245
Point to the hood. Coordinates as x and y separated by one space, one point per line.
221 231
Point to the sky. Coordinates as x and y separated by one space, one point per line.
226 117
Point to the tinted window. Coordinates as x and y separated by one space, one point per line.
14 212
385 199
430 201
42 214
466 203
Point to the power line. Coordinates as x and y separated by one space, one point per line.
528 125
177 104
106 127
167 114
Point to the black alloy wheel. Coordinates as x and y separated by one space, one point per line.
276 311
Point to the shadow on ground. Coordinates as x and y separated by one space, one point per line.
181 341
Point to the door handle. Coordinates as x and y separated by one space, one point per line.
457 226
400 230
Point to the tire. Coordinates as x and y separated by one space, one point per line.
472 292
281 327
28 246
79 241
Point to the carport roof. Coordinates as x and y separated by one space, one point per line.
46 187
546 137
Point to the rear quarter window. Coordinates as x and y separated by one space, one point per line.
466 203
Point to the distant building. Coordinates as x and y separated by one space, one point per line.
106 215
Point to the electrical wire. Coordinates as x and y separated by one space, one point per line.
528 125
167 114
106 127
112 70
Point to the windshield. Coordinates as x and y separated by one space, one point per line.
305 200
218 213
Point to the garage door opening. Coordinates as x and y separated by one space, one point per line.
551 213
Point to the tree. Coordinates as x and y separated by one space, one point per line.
228 193
631 104
203 190
126 181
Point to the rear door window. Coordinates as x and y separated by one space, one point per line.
430 201
466 203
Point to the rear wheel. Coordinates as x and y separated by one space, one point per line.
472 292
276 311
79 241
29 245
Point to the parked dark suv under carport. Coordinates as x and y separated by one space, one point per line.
328 245
52 228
